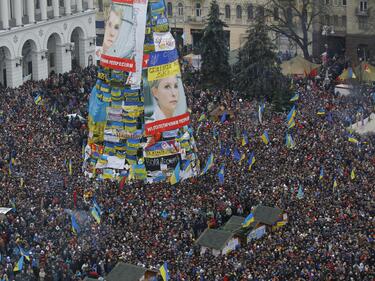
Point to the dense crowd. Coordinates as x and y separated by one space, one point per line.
329 235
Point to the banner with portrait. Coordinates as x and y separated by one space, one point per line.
163 148
124 27
165 100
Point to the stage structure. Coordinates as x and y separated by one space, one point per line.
138 115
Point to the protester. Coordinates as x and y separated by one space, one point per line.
329 234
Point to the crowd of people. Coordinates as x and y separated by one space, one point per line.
329 234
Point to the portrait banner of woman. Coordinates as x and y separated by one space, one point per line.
165 104
119 40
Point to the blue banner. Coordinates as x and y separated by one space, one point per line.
162 57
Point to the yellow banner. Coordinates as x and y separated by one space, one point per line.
159 153
163 71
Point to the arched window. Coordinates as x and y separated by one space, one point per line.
250 12
198 9
227 11
169 9
180 9
239 12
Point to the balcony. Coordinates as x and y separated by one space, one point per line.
195 19
362 13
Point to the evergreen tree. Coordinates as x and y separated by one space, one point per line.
257 73
215 68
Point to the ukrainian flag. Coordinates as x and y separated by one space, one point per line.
352 139
75 227
295 97
37 99
352 174
248 220
175 178
221 174
95 215
321 175
202 117
321 111
164 271
209 163
245 139
291 114
19 265
70 167
292 124
24 253
335 183
265 138
251 160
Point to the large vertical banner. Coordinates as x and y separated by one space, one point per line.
138 115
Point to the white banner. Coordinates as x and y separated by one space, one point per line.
164 41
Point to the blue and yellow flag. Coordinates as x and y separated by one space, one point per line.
245 139
175 177
95 215
221 174
352 139
251 160
265 137
202 117
352 174
291 115
70 167
164 272
321 111
223 117
289 142
24 253
75 227
321 175
295 97
335 183
292 124
38 99
19 265
209 163
236 155
248 220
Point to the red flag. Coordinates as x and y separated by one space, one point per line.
121 185
313 73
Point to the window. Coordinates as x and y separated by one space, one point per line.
180 9
37 5
250 12
61 3
363 5
344 2
239 12
327 20
49 2
275 13
169 9
335 20
363 23
227 11
343 21
198 9
327 2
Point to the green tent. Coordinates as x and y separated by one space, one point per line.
365 72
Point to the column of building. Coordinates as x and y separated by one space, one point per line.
40 65
79 5
4 13
56 8
31 11
14 72
68 7
17 12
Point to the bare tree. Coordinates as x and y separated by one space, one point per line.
294 20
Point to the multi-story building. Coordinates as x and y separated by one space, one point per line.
348 28
40 36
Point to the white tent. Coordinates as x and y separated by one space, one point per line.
367 127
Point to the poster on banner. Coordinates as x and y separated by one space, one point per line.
164 148
165 104
162 163
123 20
164 41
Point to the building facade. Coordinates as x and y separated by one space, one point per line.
347 27
41 36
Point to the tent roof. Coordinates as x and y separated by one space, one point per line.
297 66
214 238
367 127
233 224
126 272
267 215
